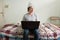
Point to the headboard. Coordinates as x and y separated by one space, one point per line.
55 20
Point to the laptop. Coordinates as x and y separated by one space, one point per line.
30 24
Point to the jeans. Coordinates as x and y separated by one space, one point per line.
26 32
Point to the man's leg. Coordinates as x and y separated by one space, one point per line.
25 35
36 37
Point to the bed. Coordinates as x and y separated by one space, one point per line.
8 32
47 31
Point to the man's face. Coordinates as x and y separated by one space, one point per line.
30 10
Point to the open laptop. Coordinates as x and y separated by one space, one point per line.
30 24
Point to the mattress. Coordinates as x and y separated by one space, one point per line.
8 32
47 31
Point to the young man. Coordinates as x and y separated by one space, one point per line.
30 16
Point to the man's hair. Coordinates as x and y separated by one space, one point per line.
29 8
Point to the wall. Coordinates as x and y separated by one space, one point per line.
58 6
17 8
1 14
47 8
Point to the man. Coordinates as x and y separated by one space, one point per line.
30 16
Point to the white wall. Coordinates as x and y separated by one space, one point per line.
1 15
47 8
58 6
17 8
0 5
